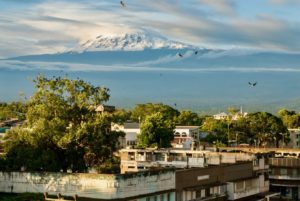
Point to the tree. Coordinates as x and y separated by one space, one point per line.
233 110
156 130
188 118
142 110
63 130
266 128
120 116
218 129
290 118
12 110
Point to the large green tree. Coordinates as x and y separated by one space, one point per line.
12 110
218 130
142 110
290 118
156 130
188 118
266 129
63 130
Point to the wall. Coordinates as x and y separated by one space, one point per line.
99 186
211 175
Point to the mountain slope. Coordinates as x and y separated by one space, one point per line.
129 42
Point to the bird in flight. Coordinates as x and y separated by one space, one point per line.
179 54
122 3
175 104
252 84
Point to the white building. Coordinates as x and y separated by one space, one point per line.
183 135
221 116
132 129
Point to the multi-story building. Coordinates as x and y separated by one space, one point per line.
184 136
204 175
131 129
284 167
294 138
285 176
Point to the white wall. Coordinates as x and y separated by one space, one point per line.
100 186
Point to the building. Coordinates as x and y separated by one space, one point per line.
131 129
295 138
221 116
151 185
285 176
204 175
105 108
284 167
185 136
224 182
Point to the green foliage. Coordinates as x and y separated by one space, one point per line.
233 110
188 118
260 128
266 128
290 118
218 129
110 166
63 130
120 116
12 110
156 130
143 110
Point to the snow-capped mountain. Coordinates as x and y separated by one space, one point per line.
129 42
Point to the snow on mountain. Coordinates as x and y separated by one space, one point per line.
129 42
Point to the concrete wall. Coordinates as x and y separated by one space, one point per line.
211 175
99 186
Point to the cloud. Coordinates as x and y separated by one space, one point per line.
70 67
226 7
42 28
283 2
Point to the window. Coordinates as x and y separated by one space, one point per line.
283 171
162 197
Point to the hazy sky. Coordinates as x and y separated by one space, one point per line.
48 26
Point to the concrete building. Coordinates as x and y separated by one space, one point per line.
204 175
221 116
285 177
295 138
131 129
136 160
224 182
284 167
152 185
184 136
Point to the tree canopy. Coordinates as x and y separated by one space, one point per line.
63 130
188 118
142 110
266 128
290 118
156 130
